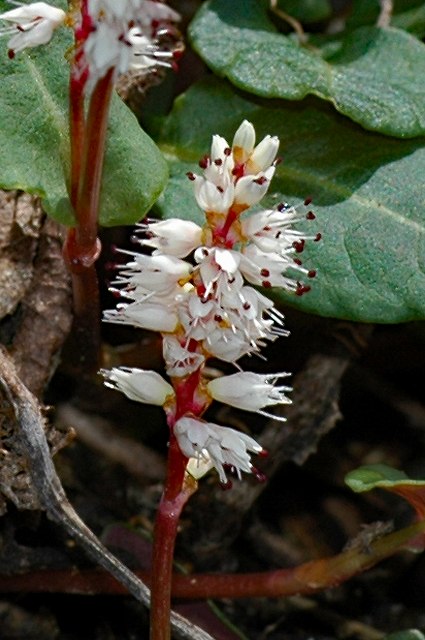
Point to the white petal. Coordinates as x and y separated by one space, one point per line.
138 384
248 391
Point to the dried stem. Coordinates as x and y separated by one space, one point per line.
30 421
384 18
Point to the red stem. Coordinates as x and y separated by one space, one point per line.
94 151
307 578
175 495
76 134
82 246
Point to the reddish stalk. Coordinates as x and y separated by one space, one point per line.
82 246
307 578
177 491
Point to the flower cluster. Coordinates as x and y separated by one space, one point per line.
110 34
206 307
31 25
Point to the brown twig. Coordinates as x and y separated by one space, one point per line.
52 497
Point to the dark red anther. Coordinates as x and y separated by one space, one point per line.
261 477
266 284
261 180
265 273
231 280
116 294
282 206
278 160
191 175
310 215
218 162
267 228
312 273
298 261
218 318
204 161
227 151
246 306
318 237
220 189
299 245
278 234
302 289
200 290
308 201
226 485
11 54
263 453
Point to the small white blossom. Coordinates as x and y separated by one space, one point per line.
249 391
138 384
178 360
34 25
174 237
151 315
243 142
221 446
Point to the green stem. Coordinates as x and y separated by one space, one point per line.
176 493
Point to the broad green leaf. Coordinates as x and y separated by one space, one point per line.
372 77
35 146
409 634
367 192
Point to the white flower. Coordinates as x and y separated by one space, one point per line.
243 142
255 159
214 197
34 22
123 35
263 155
138 384
144 53
174 237
250 189
221 446
249 391
159 273
178 360
152 315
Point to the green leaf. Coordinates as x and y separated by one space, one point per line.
367 193
409 634
35 146
306 11
377 475
380 476
372 78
